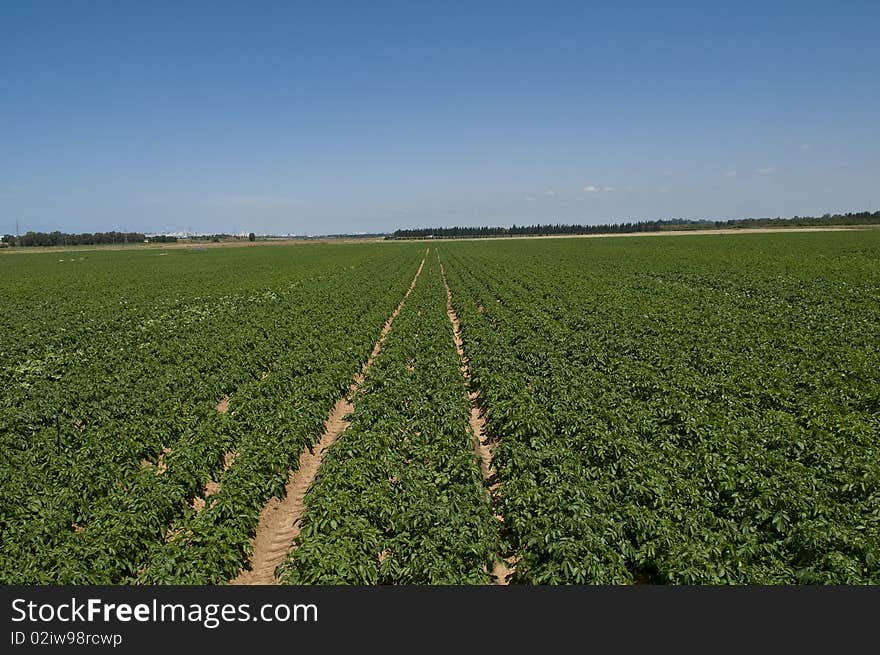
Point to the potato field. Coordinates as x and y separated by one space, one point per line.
644 410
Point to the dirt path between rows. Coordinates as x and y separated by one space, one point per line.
279 523
502 569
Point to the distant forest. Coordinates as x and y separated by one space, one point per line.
84 239
676 224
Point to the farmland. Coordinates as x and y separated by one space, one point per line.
697 410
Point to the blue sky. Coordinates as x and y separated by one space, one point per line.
344 117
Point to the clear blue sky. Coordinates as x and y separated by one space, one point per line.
325 117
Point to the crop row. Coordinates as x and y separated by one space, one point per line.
211 546
684 410
399 498
703 411
91 483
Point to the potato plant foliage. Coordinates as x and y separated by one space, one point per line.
114 361
400 499
681 410
672 410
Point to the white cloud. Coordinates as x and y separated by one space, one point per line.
608 188
765 171
664 189
591 189
805 146
730 174
530 198
550 192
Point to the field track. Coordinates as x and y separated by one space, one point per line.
279 523
501 571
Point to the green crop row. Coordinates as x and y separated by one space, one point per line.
81 498
399 498
689 410
681 410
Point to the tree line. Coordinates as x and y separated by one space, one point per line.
850 218
83 239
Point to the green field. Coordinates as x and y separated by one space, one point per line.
668 410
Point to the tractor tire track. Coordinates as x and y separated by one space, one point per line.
279 523
483 449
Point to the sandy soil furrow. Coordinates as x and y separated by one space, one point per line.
502 570
279 522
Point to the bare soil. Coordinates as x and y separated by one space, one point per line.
185 244
502 569
279 523
160 464
213 487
